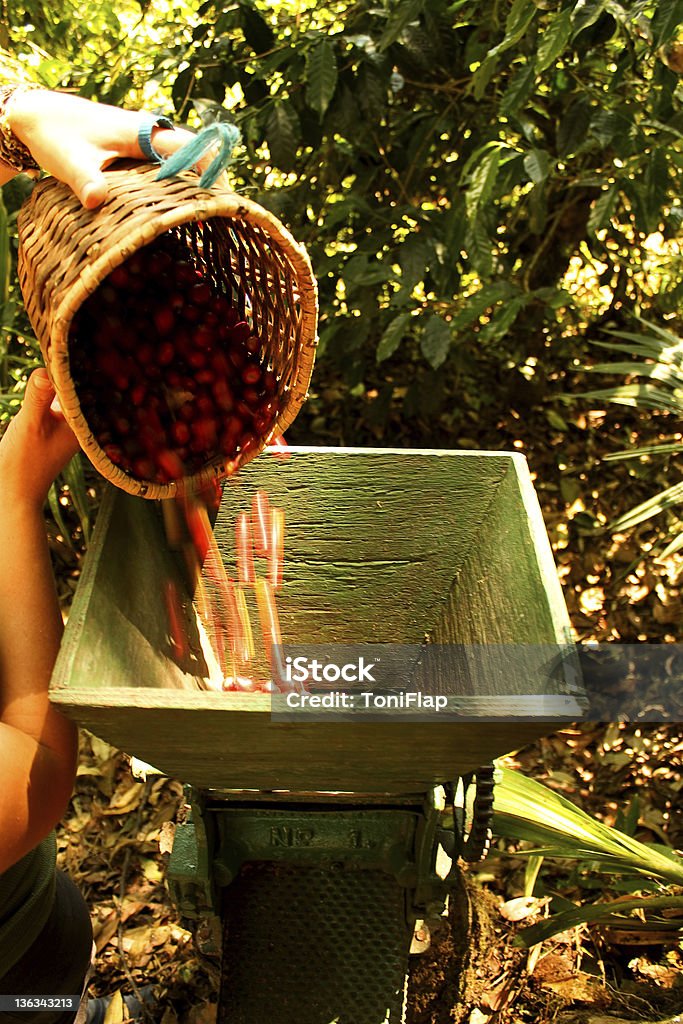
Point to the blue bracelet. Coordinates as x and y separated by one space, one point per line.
149 123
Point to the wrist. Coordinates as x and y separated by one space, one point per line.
18 504
21 496
17 110
21 111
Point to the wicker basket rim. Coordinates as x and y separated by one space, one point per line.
227 204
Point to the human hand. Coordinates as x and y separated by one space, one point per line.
74 139
36 446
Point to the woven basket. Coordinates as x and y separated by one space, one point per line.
66 251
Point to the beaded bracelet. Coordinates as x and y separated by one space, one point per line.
13 152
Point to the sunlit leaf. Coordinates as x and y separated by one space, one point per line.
647 449
675 546
669 498
554 40
525 809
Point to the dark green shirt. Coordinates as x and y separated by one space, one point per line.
27 892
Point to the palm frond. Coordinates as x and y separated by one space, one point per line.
670 448
669 498
659 387
668 373
527 810
645 396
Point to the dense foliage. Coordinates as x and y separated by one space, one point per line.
445 162
454 168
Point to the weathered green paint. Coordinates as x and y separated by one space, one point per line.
380 546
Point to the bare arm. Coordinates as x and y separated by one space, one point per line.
37 745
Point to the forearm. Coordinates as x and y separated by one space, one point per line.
6 174
38 746
30 627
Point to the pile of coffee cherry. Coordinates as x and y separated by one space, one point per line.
168 375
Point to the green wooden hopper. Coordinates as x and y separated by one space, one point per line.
381 546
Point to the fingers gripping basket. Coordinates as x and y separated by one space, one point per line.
248 257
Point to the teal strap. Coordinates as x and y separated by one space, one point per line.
148 122
226 136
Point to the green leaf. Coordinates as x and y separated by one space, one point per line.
669 498
321 76
518 20
605 124
554 40
5 261
362 270
503 319
586 13
342 211
571 131
479 247
454 227
527 810
257 32
476 305
74 478
603 209
556 421
519 89
645 396
392 337
660 371
672 548
615 912
537 165
656 187
635 193
371 93
538 209
282 134
482 181
56 510
413 256
667 20
401 15
436 340
670 348
675 448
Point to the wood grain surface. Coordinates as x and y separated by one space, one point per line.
381 546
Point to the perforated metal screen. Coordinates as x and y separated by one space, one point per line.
313 946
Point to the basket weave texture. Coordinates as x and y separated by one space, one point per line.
248 255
